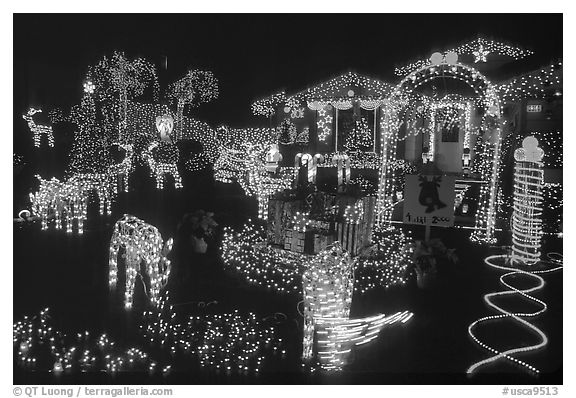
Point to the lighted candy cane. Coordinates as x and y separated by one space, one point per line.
304 160
317 159
143 243
343 163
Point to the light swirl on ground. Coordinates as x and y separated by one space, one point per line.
508 354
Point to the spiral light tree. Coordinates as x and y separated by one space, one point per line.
527 215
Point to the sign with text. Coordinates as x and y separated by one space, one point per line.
534 108
429 200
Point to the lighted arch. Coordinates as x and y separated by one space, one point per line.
397 100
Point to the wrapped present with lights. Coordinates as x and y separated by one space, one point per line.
319 241
295 240
354 229
281 211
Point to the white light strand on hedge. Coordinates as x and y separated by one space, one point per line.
516 316
142 243
528 198
247 253
232 342
38 130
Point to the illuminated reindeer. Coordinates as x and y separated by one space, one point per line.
163 165
119 172
64 201
38 129
429 196
142 243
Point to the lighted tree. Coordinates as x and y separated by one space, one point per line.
118 79
89 152
287 132
195 88
359 138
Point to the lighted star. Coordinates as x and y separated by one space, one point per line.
328 119
480 54
320 124
326 130
322 112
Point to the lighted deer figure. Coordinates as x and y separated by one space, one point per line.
166 164
38 129
64 201
142 243
120 172
429 196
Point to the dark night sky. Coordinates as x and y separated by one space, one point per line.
252 55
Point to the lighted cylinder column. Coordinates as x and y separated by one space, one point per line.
527 214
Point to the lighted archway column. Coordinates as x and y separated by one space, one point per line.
527 214
388 140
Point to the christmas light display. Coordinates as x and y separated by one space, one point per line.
230 342
162 158
527 215
267 106
545 82
117 80
360 138
238 138
287 132
196 87
358 160
273 157
386 265
66 202
303 137
513 274
119 173
480 48
38 129
247 253
310 162
342 162
89 154
141 121
328 282
324 123
444 66
142 243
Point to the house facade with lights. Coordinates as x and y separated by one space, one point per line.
338 115
465 110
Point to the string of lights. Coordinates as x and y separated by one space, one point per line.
496 261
